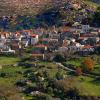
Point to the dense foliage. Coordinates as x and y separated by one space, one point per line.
96 17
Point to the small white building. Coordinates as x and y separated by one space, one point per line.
85 28
34 39
8 51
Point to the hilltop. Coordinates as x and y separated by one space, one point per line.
10 7
29 13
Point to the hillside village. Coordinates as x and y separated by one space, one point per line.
49 50
80 39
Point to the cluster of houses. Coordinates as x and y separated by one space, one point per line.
11 42
81 39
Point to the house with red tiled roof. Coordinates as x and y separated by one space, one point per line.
87 47
34 38
44 41
39 51
27 36
86 50
41 46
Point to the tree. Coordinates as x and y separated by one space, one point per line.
59 58
96 17
88 64
73 93
3 74
67 87
59 74
50 90
78 71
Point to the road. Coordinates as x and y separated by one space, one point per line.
72 70
64 67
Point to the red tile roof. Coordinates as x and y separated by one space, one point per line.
98 45
40 46
17 33
88 35
37 54
4 33
87 47
81 38
33 35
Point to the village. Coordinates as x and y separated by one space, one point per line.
50 50
81 39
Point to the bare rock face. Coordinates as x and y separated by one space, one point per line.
9 7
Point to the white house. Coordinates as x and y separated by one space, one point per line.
85 28
34 38
8 51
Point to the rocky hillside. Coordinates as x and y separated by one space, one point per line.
9 7
25 14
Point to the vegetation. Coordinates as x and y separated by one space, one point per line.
97 17
75 63
46 15
91 3
4 60
88 64
79 71
29 78
45 77
59 58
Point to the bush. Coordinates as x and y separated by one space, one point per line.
59 58
21 83
50 90
73 93
88 64
2 98
79 71
2 74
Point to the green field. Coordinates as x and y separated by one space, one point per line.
8 60
77 62
10 80
91 86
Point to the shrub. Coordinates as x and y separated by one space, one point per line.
88 64
2 74
78 71
59 58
